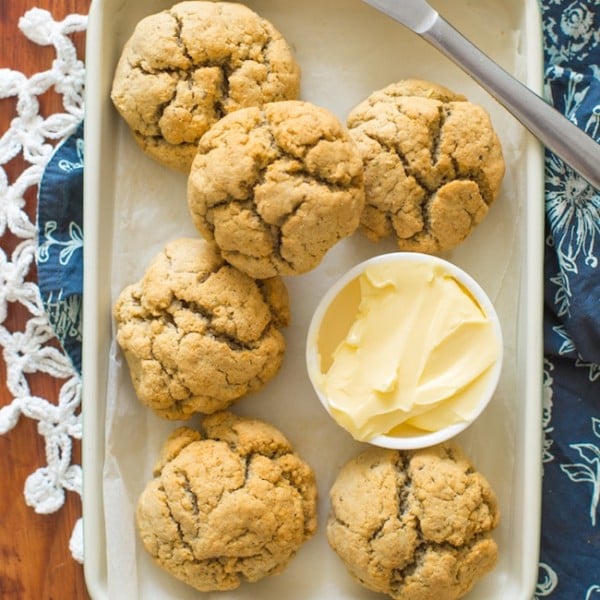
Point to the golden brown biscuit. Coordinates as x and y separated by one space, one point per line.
230 503
186 67
197 333
414 524
276 187
433 165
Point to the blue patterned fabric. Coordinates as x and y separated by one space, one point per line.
570 545
570 548
60 243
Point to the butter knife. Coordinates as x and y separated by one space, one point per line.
553 129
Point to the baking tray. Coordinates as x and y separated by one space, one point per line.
133 206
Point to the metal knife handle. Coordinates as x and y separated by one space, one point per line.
552 128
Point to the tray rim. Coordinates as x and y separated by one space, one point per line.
96 319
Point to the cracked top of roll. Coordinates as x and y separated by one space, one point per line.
415 525
186 67
229 503
433 165
276 187
197 333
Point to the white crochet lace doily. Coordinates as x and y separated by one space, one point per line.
27 351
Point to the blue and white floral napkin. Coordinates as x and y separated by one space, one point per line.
570 544
60 243
570 549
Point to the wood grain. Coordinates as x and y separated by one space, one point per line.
35 561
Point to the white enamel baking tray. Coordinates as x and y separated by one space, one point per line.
133 206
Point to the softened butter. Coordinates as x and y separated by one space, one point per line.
404 349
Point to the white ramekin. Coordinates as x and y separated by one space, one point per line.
313 357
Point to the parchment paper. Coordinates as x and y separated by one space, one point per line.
346 51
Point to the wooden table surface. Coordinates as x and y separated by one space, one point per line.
35 561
